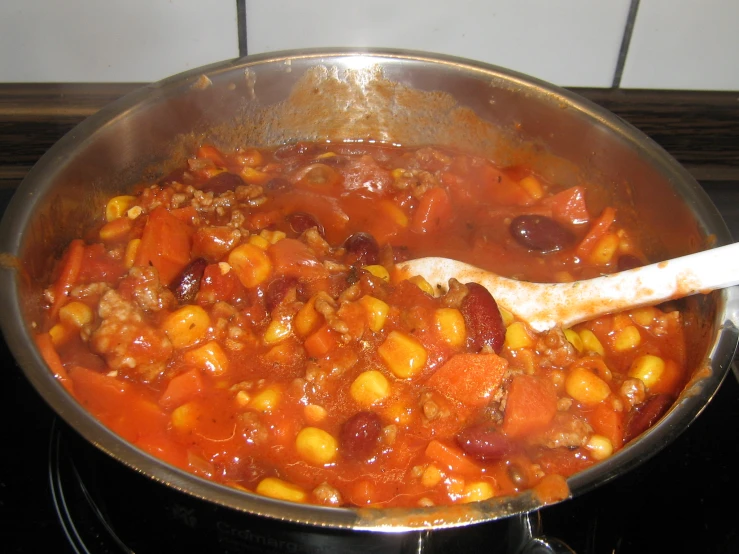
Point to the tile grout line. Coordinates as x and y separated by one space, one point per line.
625 42
241 27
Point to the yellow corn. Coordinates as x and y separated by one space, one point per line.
187 326
477 492
243 398
59 334
272 236
369 388
422 284
604 249
115 230
315 413
506 316
516 336
450 324
397 173
600 447
185 417
586 387
532 185
316 446
377 311
210 357
574 339
76 314
253 176
378 271
395 212
280 490
403 354
131 248
591 343
648 369
267 399
277 331
644 316
626 339
431 476
259 242
118 206
252 265
307 318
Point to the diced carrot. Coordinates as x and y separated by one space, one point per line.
609 423
669 379
433 211
597 230
321 342
165 244
182 388
471 379
504 190
52 359
71 264
186 214
451 457
293 258
568 206
531 405
211 153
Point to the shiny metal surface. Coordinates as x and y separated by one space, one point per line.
398 96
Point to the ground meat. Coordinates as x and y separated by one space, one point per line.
126 341
555 350
634 391
327 495
415 181
88 290
143 285
453 298
567 431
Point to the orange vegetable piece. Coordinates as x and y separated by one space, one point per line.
211 153
470 378
165 244
433 211
321 342
451 457
71 265
531 405
609 423
293 258
182 388
52 359
597 230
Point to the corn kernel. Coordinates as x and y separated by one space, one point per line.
280 490
254 176
272 236
369 388
316 446
377 311
277 331
450 324
76 314
586 387
591 343
315 413
267 399
252 265
574 339
422 284
506 316
118 206
626 339
243 398
648 369
600 447
210 357
259 242
397 173
532 185
134 212
516 336
378 271
604 249
187 326
326 155
403 354
477 492
115 230
185 417
431 476
59 334
644 316
395 212
307 318
131 249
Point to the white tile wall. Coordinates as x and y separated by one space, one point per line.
568 42
684 44
112 40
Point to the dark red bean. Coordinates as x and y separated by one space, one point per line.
223 182
627 261
538 232
360 435
277 184
482 319
187 284
362 249
642 418
276 291
484 443
302 221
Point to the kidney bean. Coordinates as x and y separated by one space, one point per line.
646 415
222 182
538 232
482 319
362 249
302 221
484 442
276 290
187 284
360 434
627 261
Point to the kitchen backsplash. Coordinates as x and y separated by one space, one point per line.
657 44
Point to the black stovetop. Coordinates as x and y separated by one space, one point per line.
681 500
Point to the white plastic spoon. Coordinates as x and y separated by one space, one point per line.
547 305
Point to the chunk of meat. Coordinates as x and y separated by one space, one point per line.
142 284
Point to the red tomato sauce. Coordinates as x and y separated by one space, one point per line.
242 319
